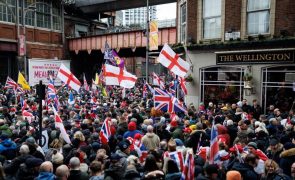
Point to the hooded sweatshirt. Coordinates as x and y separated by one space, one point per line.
151 141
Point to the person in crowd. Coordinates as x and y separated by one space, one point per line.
287 158
272 171
151 140
247 168
75 172
46 171
62 172
274 150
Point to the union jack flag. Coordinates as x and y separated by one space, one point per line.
11 84
188 172
176 156
105 131
51 92
166 102
214 148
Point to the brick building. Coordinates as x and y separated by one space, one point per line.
43 32
239 49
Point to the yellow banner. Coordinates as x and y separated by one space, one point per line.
153 40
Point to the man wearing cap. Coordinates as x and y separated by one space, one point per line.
30 169
274 150
124 149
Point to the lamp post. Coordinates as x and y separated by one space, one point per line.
25 10
147 41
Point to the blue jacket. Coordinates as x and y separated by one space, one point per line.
131 133
45 176
7 144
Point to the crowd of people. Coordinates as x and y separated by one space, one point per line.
141 140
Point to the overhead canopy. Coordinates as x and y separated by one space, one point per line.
100 6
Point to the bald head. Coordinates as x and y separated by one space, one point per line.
46 167
62 172
74 163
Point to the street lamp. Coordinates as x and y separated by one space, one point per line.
31 7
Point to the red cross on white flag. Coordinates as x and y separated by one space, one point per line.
173 62
158 81
66 76
117 76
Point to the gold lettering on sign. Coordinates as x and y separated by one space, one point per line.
257 57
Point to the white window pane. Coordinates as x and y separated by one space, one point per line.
212 8
258 22
212 28
258 4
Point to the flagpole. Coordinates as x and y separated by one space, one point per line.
147 40
15 96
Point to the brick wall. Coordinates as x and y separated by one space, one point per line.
232 15
285 17
42 44
192 6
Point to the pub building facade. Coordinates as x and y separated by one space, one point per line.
239 49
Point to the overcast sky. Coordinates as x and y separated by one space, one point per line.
166 11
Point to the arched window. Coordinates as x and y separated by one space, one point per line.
221 84
278 87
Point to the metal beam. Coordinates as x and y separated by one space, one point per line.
109 5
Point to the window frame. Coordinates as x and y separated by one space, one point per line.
248 11
183 22
204 18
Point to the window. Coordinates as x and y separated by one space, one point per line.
7 10
56 16
43 14
258 13
277 87
212 19
221 84
182 22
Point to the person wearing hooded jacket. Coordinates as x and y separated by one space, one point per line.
287 158
151 141
7 147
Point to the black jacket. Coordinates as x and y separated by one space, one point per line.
246 171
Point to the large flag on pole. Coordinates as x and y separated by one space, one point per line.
22 81
173 62
60 125
117 76
66 76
